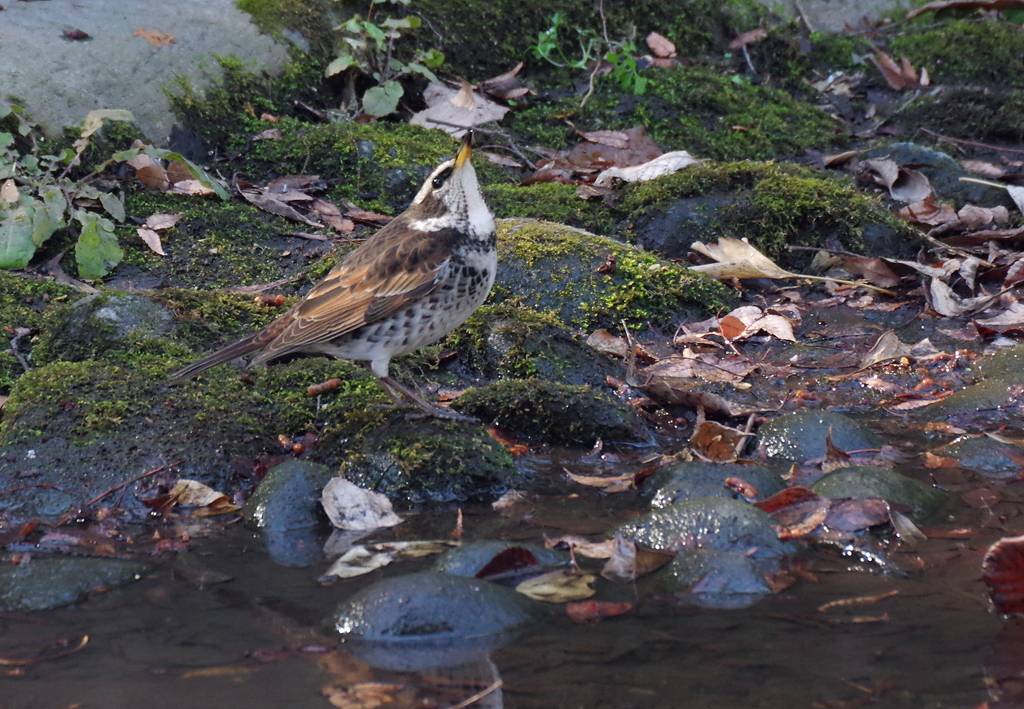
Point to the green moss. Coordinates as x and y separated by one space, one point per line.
552 202
641 289
24 303
966 52
422 459
790 56
978 114
553 412
310 18
774 205
484 39
687 108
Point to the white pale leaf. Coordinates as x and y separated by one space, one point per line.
351 507
665 164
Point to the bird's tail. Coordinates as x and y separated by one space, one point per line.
235 349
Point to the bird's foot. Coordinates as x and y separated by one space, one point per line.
398 392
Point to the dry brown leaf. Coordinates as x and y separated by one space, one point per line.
718 443
506 86
269 134
9 192
159 222
153 176
874 270
966 5
661 46
887 347
559 586
754 321
737 259
607 343
152 240
628 563
748 37
900 76
582 546
683 369
665 164
929 211
983 168
193 188
904 185
157 38
618 483
463 109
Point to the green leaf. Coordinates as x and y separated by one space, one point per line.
374 31
96 251
5 110
339 65
382 100
44 224
16 246
113 205
125 155
197 172
433 58
5 139
640 86
420 69
411 22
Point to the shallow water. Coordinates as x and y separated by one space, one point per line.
257 640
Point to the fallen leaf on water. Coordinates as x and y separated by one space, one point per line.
718 443
351 507
1003 573
193 493
593 611
364 558
52 650
510 562
559 586
749 320
618 483
857 601
628 563
887 347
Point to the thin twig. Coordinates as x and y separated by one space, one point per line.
803 16
746 55
20 333
958 141
154 471
511 143
478 696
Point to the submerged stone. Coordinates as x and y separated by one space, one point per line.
432 606
872 481
689 479
708 523
43 583
288 497
984 455
801 435
715 578
470 559
551 412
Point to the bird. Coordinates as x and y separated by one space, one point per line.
410 284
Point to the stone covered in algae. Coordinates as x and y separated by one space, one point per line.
554 268
558 413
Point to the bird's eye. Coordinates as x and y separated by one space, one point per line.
438 182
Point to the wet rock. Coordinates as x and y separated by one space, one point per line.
801 435
986 456
708 523
872 481
288 497
42 584
432 606
468 560
689 479
989 401
419 459
554 268
943 172
100 323
551 412
714 578
1007 365
511 341
673 228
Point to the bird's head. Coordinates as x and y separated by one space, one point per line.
451 198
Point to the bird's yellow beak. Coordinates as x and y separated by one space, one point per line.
465 150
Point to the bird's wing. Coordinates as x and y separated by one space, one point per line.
370 285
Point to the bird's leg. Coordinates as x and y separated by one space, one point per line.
396 391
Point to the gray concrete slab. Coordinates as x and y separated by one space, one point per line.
60 80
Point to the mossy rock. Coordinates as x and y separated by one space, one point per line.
513 342
966 52
773 205
552 202
985 114
416 459
552 412
24 302
88 426
862 481
484 39
698 110
554 268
